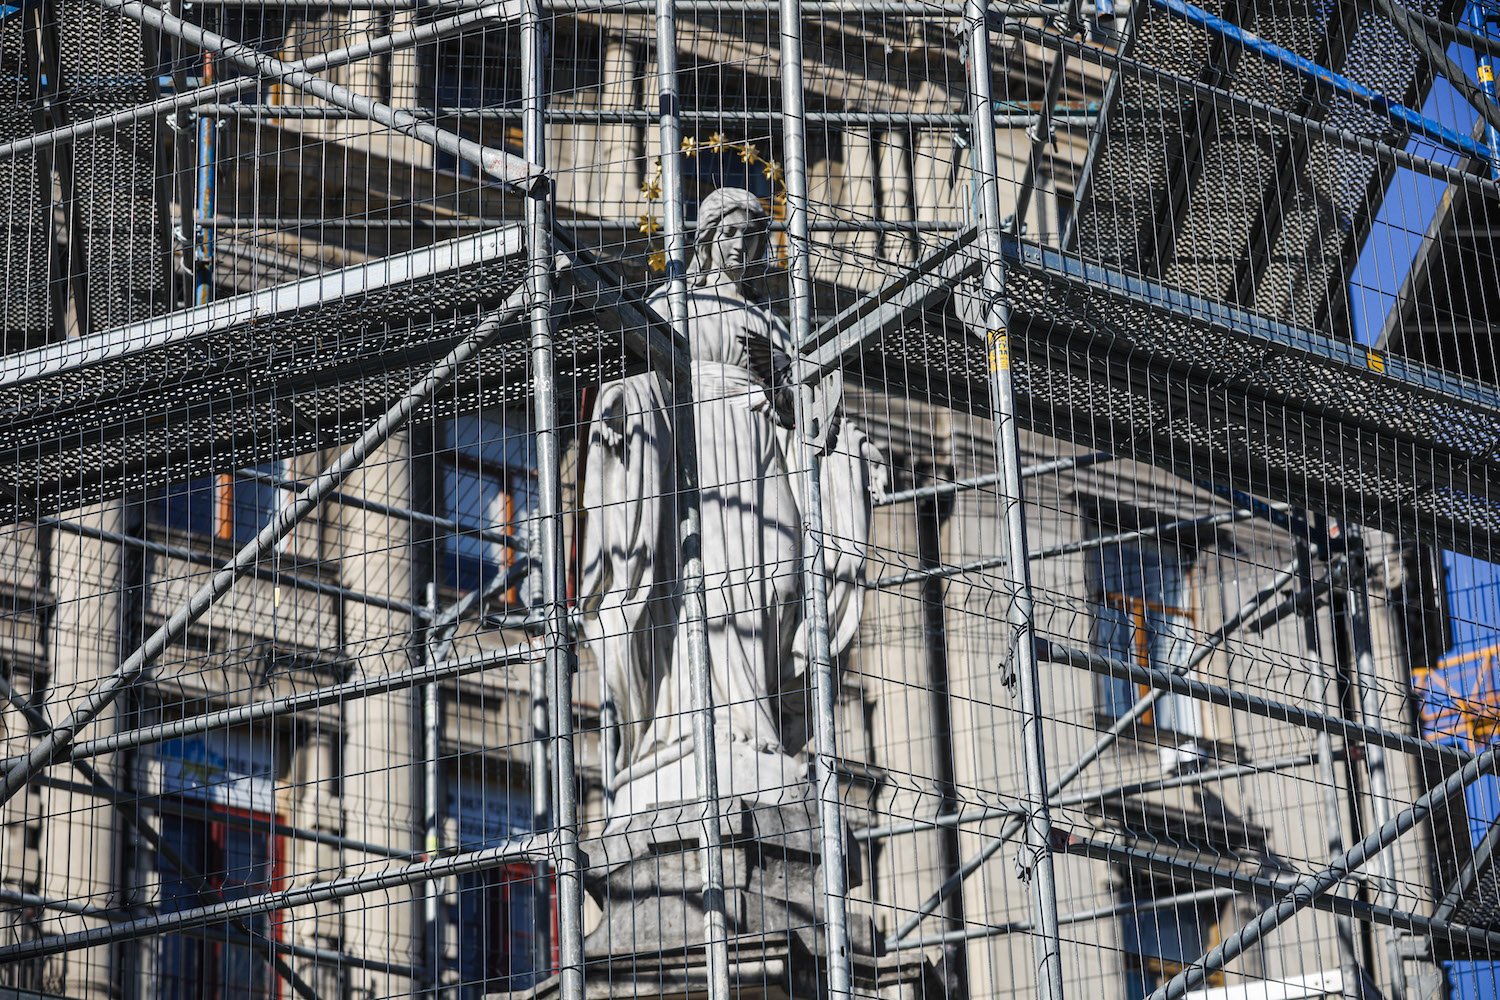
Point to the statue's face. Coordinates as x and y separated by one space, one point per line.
737 244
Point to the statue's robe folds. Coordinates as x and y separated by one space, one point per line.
752 540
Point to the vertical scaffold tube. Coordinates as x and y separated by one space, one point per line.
558 682
204 208
1479 17
1326 755
685 438
1038 831
432 798
814 582
1357 608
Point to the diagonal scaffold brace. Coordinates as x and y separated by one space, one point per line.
514 171
1310 889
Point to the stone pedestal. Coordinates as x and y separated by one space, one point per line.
646 874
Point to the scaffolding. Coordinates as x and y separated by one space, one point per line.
690 497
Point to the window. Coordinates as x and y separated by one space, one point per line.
220 860
486 479
478 70
218 795
228 508
1159 941
504 920
1143 618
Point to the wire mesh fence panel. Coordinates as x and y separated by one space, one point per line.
906 499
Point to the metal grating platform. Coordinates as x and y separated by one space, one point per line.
267 375
1211 392
1106 360
1220 201
1473 899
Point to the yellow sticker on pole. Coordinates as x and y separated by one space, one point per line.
999 351
1374 362
1486 74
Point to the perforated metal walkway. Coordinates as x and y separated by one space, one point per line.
1119 363
267 375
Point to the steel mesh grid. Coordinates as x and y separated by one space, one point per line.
1180 386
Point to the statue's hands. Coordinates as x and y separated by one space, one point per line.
609 429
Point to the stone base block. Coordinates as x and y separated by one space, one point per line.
647 876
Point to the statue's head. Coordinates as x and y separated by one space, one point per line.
731 236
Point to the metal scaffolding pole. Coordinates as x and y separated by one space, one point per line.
1269 886
1329 789
831 835
1082 187
432 797
302 701
1108 739
503 166
1251 704
287 517
576 225
933 120
1039 132
552 610
293 897
1192 778
429 32
979 482
270 574
1079 917
1309 889
694 606
206 202
1357 611
1066 548
1036 866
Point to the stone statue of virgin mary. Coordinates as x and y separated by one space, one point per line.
752 536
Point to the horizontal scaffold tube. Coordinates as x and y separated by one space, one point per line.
504 166
429 32
323 956
303 701
186 809
1251 704
537 847
1270 885
270 574
979 482
827 8
1194 778
1065 548
1126 908
576 225
628 116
